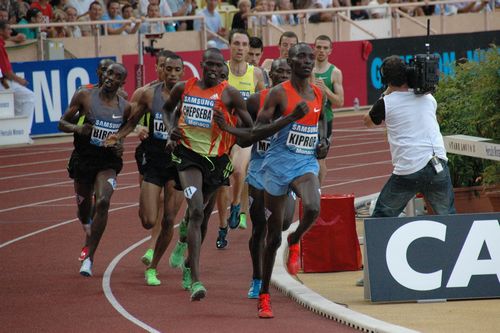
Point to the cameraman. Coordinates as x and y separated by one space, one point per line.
417 147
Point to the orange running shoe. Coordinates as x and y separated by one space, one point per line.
292 263
84 253
264 306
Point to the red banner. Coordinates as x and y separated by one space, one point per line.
347 56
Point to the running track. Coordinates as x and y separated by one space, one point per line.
41 290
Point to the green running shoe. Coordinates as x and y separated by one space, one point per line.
183 228
186 278
151 279
147 257
198 291
177 257
243 221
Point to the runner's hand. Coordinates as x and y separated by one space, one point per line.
111 140
175 134
118 149
220 120
322 149
142 132
300 110
84 129
170 146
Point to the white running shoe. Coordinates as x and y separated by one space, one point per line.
86 269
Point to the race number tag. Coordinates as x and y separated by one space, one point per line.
302 139
262 146
198 111
159 128
101 130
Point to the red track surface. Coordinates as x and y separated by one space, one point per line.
41 290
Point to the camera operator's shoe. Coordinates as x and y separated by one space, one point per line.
221 239
233 221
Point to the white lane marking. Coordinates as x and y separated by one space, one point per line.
356 144
23 175
56 226
53 200
356 154
106 287
361 165
356 181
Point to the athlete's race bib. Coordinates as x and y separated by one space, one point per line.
198 111
262 146
159 128
302 139
101 130
245 94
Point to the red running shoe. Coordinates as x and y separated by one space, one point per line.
84 253
292 263
264 306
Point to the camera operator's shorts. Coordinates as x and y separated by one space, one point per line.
159 169
140 158
215 170
84 168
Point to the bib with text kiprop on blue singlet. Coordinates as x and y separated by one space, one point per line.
302 138
101 130
159 128
198 111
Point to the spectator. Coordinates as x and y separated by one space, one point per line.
380 10
71 16
181 8
358 14
128 14
463 7
240 19
57 6
153 27
213 23
286 18
81 6
260 6
94 14
165 10
113 14
33 16
15 36
271 6
46 9
59 32
24 99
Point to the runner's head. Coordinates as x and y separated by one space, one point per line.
212 65
280 71
239 43
224 74
301 60
169 67
287 40
322 48
102 68
255 51
114 78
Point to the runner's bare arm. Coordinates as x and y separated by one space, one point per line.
232 98
253 104
135 111
259 78
323 142
77 105
174 98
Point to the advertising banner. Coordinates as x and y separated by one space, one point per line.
54 83
433 257
349 57
449 48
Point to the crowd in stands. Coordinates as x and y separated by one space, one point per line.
45 11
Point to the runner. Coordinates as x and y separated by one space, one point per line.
201 155
286 41
93 166
247 79
159 174
329 79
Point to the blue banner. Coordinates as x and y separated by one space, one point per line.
54 83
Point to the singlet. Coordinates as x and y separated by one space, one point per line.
199 132
298 140
105 120
158 130
327 79
245 84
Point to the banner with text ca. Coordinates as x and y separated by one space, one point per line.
54 83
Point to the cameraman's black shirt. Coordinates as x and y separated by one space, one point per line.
377 112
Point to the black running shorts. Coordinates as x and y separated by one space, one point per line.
215 170
84 168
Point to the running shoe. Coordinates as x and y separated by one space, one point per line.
186 278
183 228
84 253
292 263
177 257
243 221
254 290
86 268
233 219
198 291
264 306
221 239
148 257
150 276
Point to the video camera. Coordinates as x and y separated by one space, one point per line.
422 73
